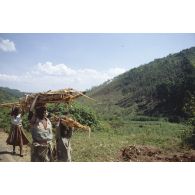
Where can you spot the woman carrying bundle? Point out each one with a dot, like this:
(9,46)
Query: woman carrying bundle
(41,129)
(17,136)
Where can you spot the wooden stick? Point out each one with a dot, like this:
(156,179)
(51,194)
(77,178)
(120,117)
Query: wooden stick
(9,105)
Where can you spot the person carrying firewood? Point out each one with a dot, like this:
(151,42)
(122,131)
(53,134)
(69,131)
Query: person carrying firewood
(17,136)
(63,136)
(41,130)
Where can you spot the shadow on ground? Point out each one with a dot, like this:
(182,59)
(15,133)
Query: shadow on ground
(6,152)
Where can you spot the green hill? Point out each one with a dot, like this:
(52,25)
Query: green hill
(164,87)
(9,95)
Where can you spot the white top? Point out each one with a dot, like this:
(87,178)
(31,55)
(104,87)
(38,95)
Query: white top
(16,120)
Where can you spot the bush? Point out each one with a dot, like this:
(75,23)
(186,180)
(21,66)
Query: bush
(5,119)
(84,115)
(80,113)
(191,121)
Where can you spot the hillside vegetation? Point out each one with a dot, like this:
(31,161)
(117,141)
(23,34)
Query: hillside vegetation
(9,95)
(162,88)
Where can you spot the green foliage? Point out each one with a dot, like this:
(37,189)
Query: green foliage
(25,122)
(106,145)
(178,97)
(9,95)
(5,119)
(83,115)
(191,121)
(79,112)
(188,137)
(147,118)
(162,88)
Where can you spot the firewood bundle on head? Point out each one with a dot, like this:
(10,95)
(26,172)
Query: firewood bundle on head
(10,105)
(61,96)
(38,99)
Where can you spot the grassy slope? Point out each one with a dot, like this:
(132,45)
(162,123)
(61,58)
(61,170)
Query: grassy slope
(133,90)
(106,146)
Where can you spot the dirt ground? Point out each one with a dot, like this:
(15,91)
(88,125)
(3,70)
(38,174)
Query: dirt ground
(6,151)
(150,154)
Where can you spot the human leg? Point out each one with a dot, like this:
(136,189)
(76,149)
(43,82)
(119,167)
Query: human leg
(14,152)
(21,151)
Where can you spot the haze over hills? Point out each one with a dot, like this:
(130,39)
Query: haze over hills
(163,87)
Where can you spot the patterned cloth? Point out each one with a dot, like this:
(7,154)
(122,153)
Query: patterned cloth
(42,152)
(42,147)
(17,136)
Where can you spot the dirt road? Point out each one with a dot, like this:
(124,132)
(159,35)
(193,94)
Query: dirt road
(6,151)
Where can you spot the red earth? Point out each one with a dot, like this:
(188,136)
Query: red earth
(134,153)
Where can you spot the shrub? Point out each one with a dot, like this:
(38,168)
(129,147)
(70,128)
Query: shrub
(84,115)
(80,113)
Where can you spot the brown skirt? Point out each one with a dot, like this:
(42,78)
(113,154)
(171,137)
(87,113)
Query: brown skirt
(16,136)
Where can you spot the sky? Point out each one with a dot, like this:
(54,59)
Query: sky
(41,62)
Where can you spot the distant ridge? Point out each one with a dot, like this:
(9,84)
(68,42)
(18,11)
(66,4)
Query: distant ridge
(9,95)
(163,87)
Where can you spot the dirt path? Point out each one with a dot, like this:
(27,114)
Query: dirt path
(6,151)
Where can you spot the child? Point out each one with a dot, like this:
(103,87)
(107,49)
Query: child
(16,136)
(63,136)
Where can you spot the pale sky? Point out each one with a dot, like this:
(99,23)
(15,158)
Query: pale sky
(40,62)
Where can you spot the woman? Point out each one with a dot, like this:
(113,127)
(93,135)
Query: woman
(17,136)
(41,129)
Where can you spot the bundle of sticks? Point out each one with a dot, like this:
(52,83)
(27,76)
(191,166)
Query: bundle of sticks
(10,105)
(70,122)
(60,96)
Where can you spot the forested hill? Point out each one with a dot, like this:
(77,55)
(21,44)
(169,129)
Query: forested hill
(9,95)
(163,87)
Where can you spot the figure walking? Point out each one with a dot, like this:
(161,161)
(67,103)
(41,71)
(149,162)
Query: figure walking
(17,136)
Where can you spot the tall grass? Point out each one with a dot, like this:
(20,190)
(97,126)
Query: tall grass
(106,145)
